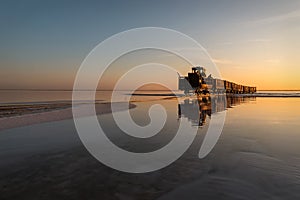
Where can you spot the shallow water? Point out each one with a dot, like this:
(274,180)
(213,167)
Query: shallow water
(256,157)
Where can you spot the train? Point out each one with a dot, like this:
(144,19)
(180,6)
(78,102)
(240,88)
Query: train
(199,83)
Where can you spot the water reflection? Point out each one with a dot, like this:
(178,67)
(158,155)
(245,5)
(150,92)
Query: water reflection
(208,105)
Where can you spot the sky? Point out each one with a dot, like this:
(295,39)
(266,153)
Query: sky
(43,43)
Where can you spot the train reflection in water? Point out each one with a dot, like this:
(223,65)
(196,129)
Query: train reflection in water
(208,105)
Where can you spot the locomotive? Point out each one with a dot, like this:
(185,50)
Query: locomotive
(199,83)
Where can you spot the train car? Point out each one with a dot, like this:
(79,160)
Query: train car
(252,90)
(240,89)
(215,85)
(219,86)
(234,88)
(228,86)
(210,81)
(246,90)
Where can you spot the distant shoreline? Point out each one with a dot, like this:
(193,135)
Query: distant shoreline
(70,90)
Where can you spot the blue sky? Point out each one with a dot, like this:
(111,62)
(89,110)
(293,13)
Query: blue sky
(42,41)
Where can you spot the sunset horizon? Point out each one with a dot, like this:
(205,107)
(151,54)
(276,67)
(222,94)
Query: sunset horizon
(150,100)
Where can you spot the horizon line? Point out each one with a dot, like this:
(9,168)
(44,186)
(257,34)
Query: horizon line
(28,89)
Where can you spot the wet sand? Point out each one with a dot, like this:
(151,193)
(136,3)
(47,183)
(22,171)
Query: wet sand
(18,115)
(257,157)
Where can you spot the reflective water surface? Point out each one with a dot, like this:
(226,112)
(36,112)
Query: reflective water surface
(256,157)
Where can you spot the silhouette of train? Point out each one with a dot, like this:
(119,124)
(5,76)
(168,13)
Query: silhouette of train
(198,82)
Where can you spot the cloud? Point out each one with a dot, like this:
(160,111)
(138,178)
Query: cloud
(279,18)
(272,61)
(222,61)
(242,42)
(225,43)
(259,40)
